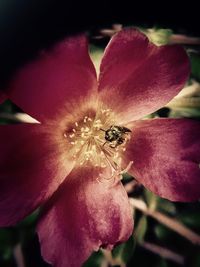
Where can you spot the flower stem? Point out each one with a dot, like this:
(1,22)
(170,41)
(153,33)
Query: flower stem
(163,252)
(111,261)
(17,252)
(173,224)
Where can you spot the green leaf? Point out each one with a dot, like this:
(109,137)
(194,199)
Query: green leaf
(8,237)
(195,64)
(162,263)
(185,113)
(7,253)
(151,199)
(190,219)
(29,220)
(196,260)
(96,54)
(94,260)
(141,229)
(6,107)
(124,251)
(159,36)
(162,232)
(127,177)
(156,203)
(166,206)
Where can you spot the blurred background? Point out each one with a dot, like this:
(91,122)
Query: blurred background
(166,234)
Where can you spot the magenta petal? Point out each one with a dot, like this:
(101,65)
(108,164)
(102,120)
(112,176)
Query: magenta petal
(82,216)
(31,169)
(166,157)
(137,77)
(57,77)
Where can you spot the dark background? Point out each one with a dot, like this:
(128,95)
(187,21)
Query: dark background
(29,25)
(26,26)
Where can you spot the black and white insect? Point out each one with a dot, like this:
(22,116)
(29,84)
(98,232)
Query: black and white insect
(116,135)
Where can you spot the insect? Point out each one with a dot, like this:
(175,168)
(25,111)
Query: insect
(116,135)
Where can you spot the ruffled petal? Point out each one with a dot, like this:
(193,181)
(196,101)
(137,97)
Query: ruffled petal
(83,215)
(32,166)
(166,157)
(58,76)
(137,77)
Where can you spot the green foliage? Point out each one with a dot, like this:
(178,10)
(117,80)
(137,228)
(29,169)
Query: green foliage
(191,220)
(95,260)
(159,36)
(195,64)
(166,206)
(6,106)
(141,229)
(162,233)
(185,113)
(127,177)
(30,220)
(151,199)
(124,251)
(96,54)
(196,260)
(162,263)
(8,239)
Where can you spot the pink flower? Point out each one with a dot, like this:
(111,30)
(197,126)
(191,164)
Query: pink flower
(73,160)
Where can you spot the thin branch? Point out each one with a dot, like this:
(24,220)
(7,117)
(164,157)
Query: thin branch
(131,186)
(112,261)
(173,224)
(184,39)
(18,255)
(190,90)
(163,252)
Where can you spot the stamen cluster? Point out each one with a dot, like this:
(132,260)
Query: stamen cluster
(88,144)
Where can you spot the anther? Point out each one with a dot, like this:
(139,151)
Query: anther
(85,119)
(90,144)
(71,135)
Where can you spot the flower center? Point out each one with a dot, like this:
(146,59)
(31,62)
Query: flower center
(98,140)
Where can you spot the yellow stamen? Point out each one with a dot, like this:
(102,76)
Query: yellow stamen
(89,145)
